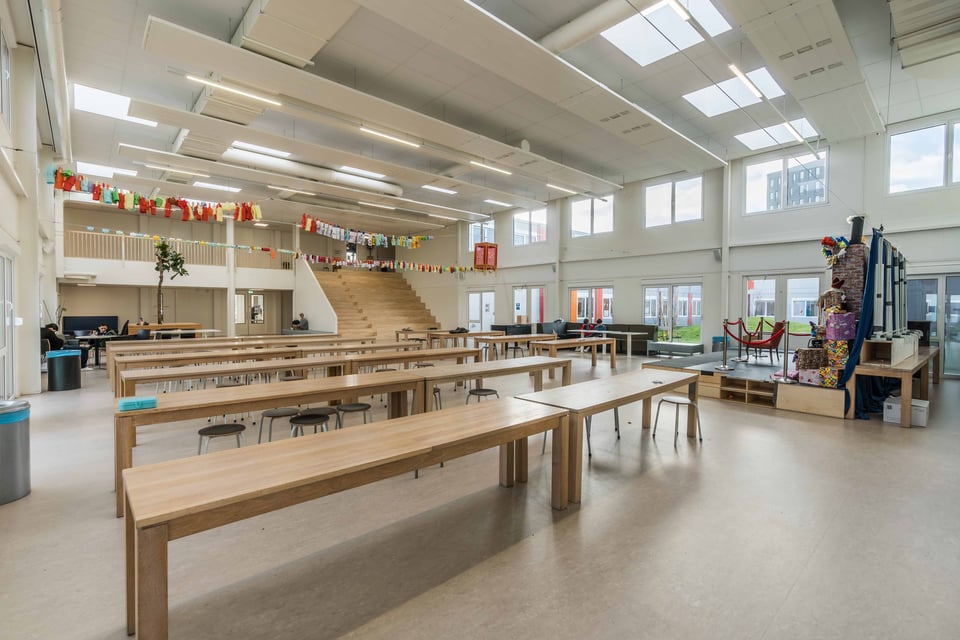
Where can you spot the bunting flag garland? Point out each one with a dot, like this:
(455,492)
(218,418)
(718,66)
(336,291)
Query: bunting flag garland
(395,265)
(187,211)
(365,238)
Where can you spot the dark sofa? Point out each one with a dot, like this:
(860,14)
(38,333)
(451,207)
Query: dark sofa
(565,330)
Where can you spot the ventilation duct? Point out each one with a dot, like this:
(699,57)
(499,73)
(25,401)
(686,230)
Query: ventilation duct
(300,170)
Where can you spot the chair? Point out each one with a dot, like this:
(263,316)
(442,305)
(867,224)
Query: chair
(219,431)
(588,423)
(677,401)
(123,330)
(353,407)
(773,342)
(273,414)
(298,422)
(322,411)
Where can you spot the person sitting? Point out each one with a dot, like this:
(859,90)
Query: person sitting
(141,322)
(295,324)
(104,330)
(304,325)
(585,329)
(598,328)
(49,333)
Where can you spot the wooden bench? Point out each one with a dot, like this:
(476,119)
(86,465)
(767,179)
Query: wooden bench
(586,399)
(406,358)
(573,343)
(171,500)
(674,348)
(187,405)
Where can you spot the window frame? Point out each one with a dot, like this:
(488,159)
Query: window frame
(529,222)
(673,200)
(951,133)
(593,203)
(486,224)
(784,158)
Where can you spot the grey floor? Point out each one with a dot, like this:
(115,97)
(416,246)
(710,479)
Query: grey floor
(779,525)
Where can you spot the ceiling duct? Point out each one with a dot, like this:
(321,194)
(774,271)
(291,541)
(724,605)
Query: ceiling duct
(593,22)
(298,169)
(927,36)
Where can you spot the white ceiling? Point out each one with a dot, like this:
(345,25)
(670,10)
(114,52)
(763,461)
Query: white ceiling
(468,81)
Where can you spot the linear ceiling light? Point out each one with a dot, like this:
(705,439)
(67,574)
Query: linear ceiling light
(172,170)
(260,224)
(102,170)
(306,193)
(436,215)
(376,204)
(218,187)
(373,132)
(676,6)
(490,168)
(239,92)
(246,146)
(502,204)
(793,131)
(564,189)
(362,172)
(105,103)
(449,192)
(746,81)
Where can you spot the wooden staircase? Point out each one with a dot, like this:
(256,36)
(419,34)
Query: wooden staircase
(374,302)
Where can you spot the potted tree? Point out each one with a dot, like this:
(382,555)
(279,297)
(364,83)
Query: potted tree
(168,260)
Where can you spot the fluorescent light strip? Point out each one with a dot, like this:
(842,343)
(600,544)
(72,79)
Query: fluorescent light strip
(435,215)
(102,170)
(217,187)
(502,204)
(362,172)
(239,92)
(376,204)
(306,193)
(490,168)
(373,132)
(746,81)
(240,144)
(172,170)
(676,6)
(449,192)
(565,190)
(260,224)
(792,130)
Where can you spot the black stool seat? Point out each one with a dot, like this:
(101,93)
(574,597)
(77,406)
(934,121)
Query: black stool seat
(298,422)
(290,377)
(353,407)
(229,383)
(481,393)
(217,431)
(281,412)
(322,411)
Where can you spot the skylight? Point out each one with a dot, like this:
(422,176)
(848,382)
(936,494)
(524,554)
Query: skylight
(733,94)
(89,168)
(777,134)
(659,31)
(104,103)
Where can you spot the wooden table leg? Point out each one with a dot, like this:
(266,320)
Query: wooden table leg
(123,433)
(936,367)
(691,415)
(565,374)
(560,471)
(613,356)
(522,455)
(130,565)
(593,355)
(151,596)
(925,381)
(574,456)
(906,399)
(645,412)
(508,464)
(629,346)
(553,354)
(852,390)
(538,380)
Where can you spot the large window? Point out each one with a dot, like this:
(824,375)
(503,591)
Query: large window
(480,232)
(918,159)
(675,309)
(529,227)
(591,304)
(589,217)
(785,183)
(669,202)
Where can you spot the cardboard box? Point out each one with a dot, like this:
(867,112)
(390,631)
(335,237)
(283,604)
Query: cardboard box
(919,411)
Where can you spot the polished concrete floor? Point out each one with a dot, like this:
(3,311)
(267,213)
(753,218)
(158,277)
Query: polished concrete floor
(778,525)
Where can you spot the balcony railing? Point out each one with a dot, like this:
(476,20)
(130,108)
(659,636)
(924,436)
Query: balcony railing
(103,246)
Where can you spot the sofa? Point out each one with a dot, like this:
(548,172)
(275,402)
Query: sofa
(565,329)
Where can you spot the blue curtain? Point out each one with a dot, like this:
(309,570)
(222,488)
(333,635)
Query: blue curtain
(864,328)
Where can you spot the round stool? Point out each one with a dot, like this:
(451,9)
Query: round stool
(353,407)
(322,411)
(481,393)
(676,401)
(228,383)
(437,402)
(283,412)
(298,422)
(289,377)
(218,431)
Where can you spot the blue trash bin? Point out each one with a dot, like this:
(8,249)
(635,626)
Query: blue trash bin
(63,370)
(14,450)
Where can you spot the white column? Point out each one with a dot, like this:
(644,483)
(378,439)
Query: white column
(50,208)
(231,280)
(27,265)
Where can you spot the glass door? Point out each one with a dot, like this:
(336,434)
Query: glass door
(802,296)
(686,313)
(656,310)
(591,304)
(922,304)
(480,310)
(951,327)
(761,301)
(6,329)
(528,304)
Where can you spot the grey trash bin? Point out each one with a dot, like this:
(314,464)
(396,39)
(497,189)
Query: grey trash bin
(14,450)
(63,370)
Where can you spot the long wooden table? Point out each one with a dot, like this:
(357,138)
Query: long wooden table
(175,499)
(585,399)
(490,369)
(573,343)
(904,371)
(186,405)
(133,328)
(406,358)
(130,378)
(458,339)
(495,342)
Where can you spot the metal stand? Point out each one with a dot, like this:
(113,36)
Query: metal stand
(786,350)
(724,366)
(740,357)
